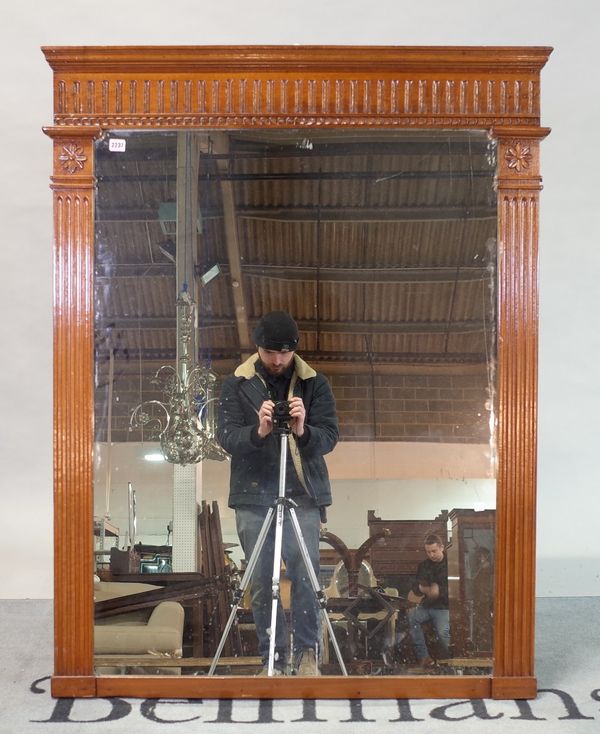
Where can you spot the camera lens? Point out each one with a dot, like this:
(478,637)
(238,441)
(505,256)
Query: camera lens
(281,409)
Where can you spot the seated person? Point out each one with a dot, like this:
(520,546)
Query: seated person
(430,595)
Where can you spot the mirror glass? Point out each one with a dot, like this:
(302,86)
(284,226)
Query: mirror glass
(382,246)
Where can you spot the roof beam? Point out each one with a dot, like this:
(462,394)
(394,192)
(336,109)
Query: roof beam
(368,275)
(312,213)
(376,176)
(232,243)
(332,327)
(152,359)
(308,273)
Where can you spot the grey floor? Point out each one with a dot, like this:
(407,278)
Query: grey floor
(567,668)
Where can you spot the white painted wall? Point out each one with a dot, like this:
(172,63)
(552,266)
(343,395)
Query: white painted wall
(398,481)
(569,471)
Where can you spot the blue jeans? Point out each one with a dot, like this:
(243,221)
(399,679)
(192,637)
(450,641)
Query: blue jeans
(304,607)
(441,622)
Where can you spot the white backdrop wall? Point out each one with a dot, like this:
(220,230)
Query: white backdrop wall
(569,471)
(393,483)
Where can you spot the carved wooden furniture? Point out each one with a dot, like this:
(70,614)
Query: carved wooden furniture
(121,642)
(395,558)
(352,558)
(193,590)
(362,603)
(471,582)
(470,553)
(136,88)
(212,562)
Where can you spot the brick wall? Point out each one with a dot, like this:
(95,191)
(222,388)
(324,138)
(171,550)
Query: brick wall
(445,408)
(413,407)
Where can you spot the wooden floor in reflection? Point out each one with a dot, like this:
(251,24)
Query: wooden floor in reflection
(252,665)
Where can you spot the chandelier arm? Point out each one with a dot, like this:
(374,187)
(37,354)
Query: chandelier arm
(134,421)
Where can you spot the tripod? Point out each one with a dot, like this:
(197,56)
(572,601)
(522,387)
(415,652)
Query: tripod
(276,511)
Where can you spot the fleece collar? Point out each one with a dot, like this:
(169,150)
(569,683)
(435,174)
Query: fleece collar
(247,369)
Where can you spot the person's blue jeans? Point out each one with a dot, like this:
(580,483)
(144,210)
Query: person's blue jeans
(304,606)
(441,622)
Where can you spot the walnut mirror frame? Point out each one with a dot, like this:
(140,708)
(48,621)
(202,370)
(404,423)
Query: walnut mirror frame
(495,89)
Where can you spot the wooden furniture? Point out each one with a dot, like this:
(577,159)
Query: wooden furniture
(352,558)
(395,558)
(471,582)
(339,89)
(470,553)
(194,591)
(361,603)
(160,636)
(212,563)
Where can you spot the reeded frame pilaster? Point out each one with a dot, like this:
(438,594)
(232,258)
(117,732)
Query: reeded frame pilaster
(73,186)
(518,186)
(101,88)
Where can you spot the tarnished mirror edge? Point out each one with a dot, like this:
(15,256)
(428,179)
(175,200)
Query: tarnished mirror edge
(491,88)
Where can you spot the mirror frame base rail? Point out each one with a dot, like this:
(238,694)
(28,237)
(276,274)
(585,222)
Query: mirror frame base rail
(334,687)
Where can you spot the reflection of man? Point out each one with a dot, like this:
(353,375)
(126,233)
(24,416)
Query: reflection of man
(430,593)
(246,431)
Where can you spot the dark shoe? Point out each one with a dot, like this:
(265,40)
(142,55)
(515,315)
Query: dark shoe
(307,663)
(427,662)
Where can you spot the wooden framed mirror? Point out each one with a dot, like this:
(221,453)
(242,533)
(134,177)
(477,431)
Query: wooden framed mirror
(388,198)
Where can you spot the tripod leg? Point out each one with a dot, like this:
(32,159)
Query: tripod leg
(277,507)
(245,582)
(314,581)
(283,445)
(275,585)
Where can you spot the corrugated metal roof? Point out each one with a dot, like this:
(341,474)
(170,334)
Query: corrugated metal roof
(382,245)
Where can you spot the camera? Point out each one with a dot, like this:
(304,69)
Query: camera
(281,415)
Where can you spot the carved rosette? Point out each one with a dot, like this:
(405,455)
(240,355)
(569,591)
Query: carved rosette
(72,157)
(518,156)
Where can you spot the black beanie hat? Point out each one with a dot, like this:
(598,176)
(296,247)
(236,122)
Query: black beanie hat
(277,331)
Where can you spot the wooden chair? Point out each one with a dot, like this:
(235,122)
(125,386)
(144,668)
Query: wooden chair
(215,566)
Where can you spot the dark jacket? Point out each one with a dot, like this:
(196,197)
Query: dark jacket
(254,476)
(430,572)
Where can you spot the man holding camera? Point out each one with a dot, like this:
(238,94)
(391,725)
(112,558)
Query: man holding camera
(274,387)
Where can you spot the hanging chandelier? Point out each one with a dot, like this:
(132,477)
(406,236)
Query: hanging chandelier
(184,421)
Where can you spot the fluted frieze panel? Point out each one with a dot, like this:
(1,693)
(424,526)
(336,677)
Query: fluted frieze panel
(435,87)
